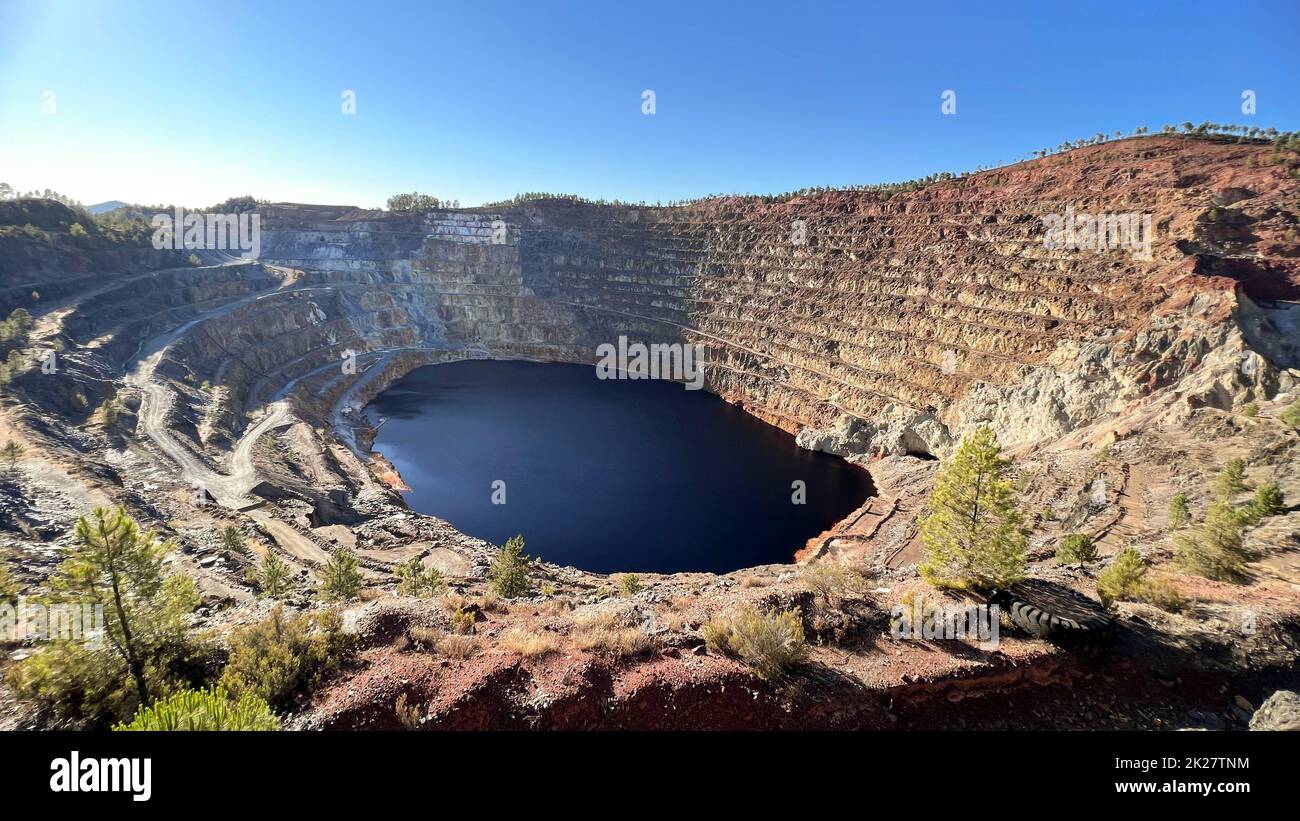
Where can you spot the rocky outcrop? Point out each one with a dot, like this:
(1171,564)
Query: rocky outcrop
(1280,712)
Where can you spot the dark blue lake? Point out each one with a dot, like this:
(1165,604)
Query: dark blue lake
(607,475)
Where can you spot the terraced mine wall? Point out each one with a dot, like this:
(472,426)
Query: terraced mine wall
(871,322)
(866,322)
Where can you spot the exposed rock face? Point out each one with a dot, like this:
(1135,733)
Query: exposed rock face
(873,324)
(1280,712)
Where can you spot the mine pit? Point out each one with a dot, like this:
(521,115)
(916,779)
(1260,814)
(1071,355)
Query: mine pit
(607,475)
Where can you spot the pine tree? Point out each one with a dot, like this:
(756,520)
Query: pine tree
(273,577)
(418,580)
(340,578)
(1268,501)
(972,529)
(1216,550)
(232,539)
(1179,513)
(117,567)
(509,573)
(1231,480)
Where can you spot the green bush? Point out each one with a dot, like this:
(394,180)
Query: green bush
(629,584)
(273,578)
(770,644)
(203,711)
(232,540)
(9,587)
(1250,409)
(1126,579)
(830,582)
(1075,548)
(1291,416)
(283,656)
(1179,512)
(146,651)
(12,453)
(1122,579)
(1216,549)
(1268,501)
(415,579)
(509,573)
(462,622)
(1231,480)
(1162,593)
(341,577)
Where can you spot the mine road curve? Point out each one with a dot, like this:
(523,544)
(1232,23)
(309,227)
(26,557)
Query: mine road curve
(229,490)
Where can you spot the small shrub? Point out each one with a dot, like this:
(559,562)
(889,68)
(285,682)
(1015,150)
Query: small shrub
(1179,512)
(457,647)
(618,634)
(203,711)
(418,580)
(509,573)
(425,636)
(283,656)
(770,644)
(273,577)
(490,603)
(1216,550)
(1250,409)
(340,577)
(1231,480)
(454,602)
(1268,501)
(528,643)
(629,584)
(1291,416)
(193,260)
(1121,580)
(12,453)
(408,715)
(9,587)
(1076,548)
(829,581)
(232,540)
(462,622)
(1161,592)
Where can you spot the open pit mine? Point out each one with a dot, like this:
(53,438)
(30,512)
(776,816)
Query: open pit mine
(1139,395)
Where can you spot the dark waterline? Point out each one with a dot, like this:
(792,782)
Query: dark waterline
(607,475)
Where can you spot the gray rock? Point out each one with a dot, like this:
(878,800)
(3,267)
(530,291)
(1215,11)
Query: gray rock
(1281,711)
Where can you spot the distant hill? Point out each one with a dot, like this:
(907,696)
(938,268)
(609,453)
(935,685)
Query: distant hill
(105,207)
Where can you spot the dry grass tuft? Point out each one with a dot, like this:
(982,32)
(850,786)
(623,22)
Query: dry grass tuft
(492,603)
(425,637)
(457,647)
(528,643)
(454,602)
(618,634)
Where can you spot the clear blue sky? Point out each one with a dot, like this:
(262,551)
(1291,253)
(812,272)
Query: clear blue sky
(191,102)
